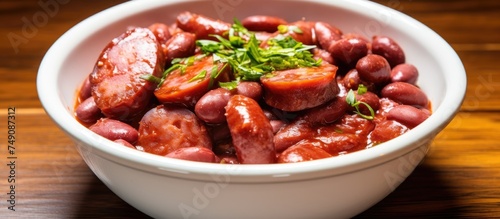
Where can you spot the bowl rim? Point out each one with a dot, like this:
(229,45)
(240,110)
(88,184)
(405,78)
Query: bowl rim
(47,89)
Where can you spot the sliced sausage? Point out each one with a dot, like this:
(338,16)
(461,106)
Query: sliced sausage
(326,114)
(117,86)
(300,88)
(301,31)
(186,86)
(113,130)
(251,132)
(164,129)
(199,154)
(262,23)
(200,25)
(336,143)
(292,133)
(349,124)
(326,35)
(302,151)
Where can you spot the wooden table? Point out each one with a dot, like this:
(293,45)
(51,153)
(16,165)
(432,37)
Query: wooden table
(459,178)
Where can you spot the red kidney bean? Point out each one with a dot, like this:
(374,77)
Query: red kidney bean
(85,89)
(404,73)
(251,131)
(407,115)
(262,23)
(405,93)
(325,114)
(180,45)
(87,111)
(211,106)
(179,88)
(117,86)
(200,25)
(199,154)
(161,31)
(164,129)
(124,143)
(250,89)
(292,133)
(349,50)
(302,151)
(385,131)
(389,49)
(326,35)
(374,68)
(300,88)
(114,129)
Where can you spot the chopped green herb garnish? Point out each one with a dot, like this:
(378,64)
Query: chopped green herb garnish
(229,85)
(199,76)
(351,100)
(242,52)
(151,78)
(362,89)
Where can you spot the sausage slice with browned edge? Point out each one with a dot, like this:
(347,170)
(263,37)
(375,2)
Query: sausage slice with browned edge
(187,86)
(251,131)
(165,129)
(300,88)
(117,86)
(201,26)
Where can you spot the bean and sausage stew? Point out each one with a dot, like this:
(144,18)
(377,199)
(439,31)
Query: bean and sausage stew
(258,90)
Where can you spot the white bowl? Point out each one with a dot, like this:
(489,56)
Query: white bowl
(336,187)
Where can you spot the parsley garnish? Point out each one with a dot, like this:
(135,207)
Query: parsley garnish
(351,100)
(240,50)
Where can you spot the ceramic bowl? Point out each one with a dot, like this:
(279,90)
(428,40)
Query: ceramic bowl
(338,187)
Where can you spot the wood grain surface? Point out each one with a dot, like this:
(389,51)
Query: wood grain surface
(460,177)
